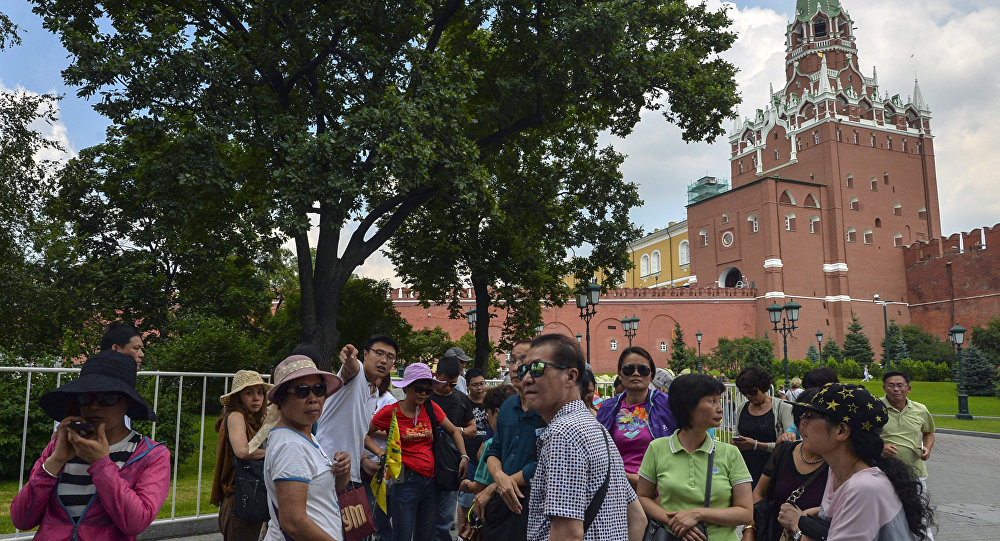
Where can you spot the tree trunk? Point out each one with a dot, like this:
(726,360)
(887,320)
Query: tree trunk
(481,289)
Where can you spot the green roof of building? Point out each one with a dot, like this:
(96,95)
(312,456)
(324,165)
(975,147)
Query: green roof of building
(805,9)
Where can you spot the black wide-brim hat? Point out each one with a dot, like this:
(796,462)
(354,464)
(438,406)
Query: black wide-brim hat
(108,371)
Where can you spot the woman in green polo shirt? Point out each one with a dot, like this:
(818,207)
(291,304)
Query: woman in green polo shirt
(674,471)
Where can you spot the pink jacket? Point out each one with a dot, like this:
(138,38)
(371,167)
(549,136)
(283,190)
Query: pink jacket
(126,503)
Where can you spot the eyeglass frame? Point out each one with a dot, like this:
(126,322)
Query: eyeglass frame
(382,354)
(529,368)
(97,397)
(636,368)
(302,390)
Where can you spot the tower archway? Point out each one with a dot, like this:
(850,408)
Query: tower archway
(731,277)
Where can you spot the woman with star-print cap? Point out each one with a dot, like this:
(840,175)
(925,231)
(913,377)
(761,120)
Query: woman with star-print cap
(868,496)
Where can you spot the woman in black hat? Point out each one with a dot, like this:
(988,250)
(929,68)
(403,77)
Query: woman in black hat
(867,496)
(98,480)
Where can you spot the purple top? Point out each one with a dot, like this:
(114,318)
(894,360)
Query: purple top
(785,478)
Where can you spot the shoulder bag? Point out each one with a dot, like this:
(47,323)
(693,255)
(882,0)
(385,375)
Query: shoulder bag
(657,531)
(765,512)
(250,499)
(446,455)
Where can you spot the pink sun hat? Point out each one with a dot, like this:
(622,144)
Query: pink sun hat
(416,372)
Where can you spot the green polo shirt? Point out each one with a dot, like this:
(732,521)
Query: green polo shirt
(680,476)
(906,430)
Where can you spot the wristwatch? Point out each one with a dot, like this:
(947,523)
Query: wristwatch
(797,535)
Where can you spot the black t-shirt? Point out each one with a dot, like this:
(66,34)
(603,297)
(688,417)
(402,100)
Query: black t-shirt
(483,431)
(458,409)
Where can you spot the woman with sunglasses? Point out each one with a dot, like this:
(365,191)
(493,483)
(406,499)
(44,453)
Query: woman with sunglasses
(763,421)
(867,496)
(413,507)
(302,480)
(639,415)
(98,479)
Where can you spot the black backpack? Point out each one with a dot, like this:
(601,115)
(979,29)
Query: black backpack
(446,455)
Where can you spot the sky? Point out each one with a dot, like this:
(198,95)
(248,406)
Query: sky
(950,45)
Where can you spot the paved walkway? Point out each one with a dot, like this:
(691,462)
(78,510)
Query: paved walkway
(963,480)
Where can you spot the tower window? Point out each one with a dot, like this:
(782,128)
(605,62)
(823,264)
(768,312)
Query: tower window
(922,213)
(854,204)
(850,181)
(684,253)
(753,223)
(869,236)
(614,345)
(904,145)
(814,225)
(777,154)
(725,218)
(704,237)
(885,178)
(663,347)
(878,222)
(855,137)
(874,184)
(790,221)
(897,209)
(852,235)
(741,166)
(838,135)
(816,137)
(798,143)
(897,239)
(873,139)
(888,143)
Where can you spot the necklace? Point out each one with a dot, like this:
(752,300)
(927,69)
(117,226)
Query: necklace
(803,457)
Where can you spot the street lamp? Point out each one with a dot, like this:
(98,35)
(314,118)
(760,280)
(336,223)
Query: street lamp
(579,338)
(885,339)
(698,336)
(954,365)
(787,325)
(819,344)
(540,328)
(958,334)
(470,316)
(630,325)
(586,301)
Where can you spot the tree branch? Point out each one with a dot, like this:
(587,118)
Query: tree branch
(440,22)
(358,249)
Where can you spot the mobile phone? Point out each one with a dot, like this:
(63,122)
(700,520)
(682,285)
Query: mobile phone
(737,437)
(82,428)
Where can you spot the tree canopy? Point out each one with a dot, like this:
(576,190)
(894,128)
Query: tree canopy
(331,112)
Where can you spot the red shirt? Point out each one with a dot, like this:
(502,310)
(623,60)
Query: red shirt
(415,438)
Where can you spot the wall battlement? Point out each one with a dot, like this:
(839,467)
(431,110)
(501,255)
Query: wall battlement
(957,244)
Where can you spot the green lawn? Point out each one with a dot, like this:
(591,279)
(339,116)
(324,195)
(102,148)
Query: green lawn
(187,483)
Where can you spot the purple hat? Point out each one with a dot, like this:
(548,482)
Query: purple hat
(416,372)
(297,366)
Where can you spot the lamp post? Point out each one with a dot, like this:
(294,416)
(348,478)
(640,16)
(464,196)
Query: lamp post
(630,325)
(470,316)
(698,336)
(787,325)
(586,301)
(885,338)
(819,344)
(540,329)
(579,338)
(954,365)
(958,334)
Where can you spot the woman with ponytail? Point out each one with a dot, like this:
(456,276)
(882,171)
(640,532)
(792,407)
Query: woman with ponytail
(868,497)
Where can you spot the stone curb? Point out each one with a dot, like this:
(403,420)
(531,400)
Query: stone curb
(954,432)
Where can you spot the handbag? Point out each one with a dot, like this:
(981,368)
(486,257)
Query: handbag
(765,512)
(657,531)
(250,498)
(356,514)
(446,455)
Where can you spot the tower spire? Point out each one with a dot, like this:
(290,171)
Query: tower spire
(918,97)
(805,9)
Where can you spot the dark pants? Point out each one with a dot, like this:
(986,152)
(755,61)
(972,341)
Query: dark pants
(413,508)
(502,524)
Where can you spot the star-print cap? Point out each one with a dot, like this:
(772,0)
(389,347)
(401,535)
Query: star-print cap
(848,403)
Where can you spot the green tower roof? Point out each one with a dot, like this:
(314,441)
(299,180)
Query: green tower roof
(805,9)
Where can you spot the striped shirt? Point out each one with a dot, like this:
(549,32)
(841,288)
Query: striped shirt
(76,489)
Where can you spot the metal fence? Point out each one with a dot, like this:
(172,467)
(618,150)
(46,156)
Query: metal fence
(731,400)
(160,379)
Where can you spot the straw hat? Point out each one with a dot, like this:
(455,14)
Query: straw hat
(242,380)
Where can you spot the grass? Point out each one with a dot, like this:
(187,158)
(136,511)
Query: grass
(187,482)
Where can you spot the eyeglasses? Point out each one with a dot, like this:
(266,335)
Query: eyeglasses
(537,368)
(477,385)
(104,399)
(302,391)
(383,354)
(420,388)
(895,385)
(812,415)
(749,392)
(642,369)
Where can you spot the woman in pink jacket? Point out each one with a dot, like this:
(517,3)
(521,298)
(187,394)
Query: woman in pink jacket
(98,480)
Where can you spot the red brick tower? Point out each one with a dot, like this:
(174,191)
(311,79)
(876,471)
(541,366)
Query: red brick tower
(829,179)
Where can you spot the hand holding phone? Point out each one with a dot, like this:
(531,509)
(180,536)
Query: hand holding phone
(82,428)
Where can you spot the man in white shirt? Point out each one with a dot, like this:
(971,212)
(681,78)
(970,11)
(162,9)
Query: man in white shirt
(346,414)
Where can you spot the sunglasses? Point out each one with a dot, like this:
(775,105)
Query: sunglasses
(420,388)
(749,392)
(812,415)
(104,399)
(302,391)
(642,369)
(537,368)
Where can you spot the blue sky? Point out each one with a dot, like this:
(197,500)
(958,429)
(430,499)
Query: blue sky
(950,44)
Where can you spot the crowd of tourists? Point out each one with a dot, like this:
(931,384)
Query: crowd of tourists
(313,455)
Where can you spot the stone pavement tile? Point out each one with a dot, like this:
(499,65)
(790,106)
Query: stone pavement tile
(962,481)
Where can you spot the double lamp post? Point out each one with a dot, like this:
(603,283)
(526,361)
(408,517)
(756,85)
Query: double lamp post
(787,325)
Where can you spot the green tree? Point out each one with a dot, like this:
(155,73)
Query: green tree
(368,111)
(813,354)
(832,350)
(680,356)
(735,355)
(857,346)
(924,346)
(980,372)
(426,345)
(987,340)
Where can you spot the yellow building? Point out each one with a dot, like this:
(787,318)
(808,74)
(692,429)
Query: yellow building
(661,258)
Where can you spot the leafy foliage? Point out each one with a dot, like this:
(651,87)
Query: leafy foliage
(987,340)
(735,355)
(832,351)
(813,354)
(680,355)
(13,387)
(980,373)
(857,346)
(924,346)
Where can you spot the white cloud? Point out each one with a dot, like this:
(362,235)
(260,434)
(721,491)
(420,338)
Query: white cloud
(377,265)
(950,45)
(56,131)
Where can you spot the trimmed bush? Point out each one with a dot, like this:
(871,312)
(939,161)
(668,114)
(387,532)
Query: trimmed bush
(937,371)
(850,369)
(915,369)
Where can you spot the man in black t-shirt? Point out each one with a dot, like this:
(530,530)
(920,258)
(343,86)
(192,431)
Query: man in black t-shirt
(458,408)
(477,392)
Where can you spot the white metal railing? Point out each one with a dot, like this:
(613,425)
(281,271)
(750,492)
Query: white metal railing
(27,373)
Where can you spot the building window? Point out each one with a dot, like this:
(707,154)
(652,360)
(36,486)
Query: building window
(741,166)
(904,145)
(814,225)
(725,218)
(888,143)
(838,135)
(869,236)
(897,209)
(790,221)
(852,235)
(885,178)
(922,213)
(777,154)
(684,253)
(815,137)
(878,222)
(855,205)
(798,84)
(897,240)
(856,139)
(873,139)
(753,223)
(811,201)
(754,160)
(644,265)
(614,345)
(663,347)
(850,181)
(819,28)
(786,198)
(874,184)
(704,237)
(654,263)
